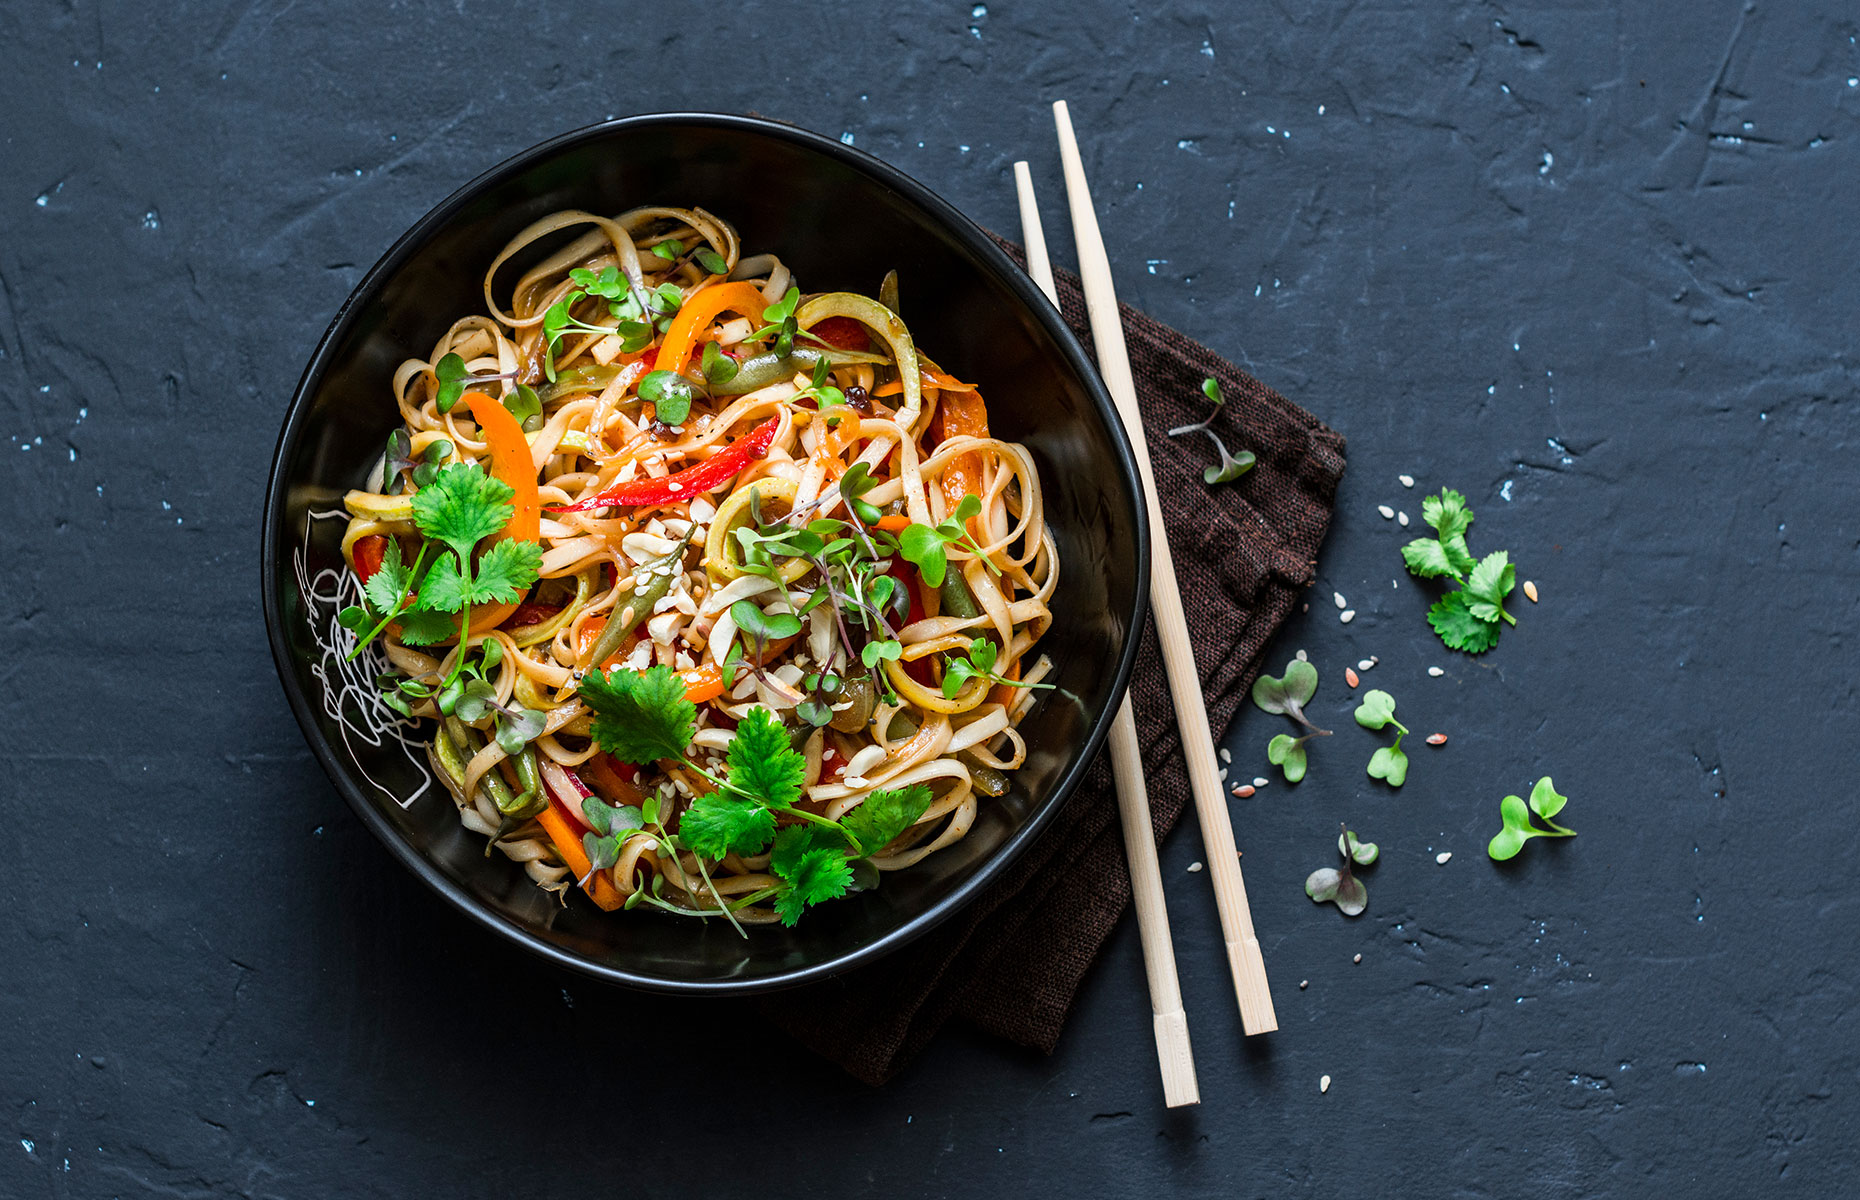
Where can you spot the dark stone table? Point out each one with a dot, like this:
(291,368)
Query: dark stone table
(1594,268)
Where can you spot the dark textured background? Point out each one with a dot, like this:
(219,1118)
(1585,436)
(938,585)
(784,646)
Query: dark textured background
(1596,270)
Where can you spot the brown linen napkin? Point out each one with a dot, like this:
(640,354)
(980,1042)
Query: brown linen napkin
(1012,962)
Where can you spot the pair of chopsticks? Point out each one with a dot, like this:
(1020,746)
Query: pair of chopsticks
(1243,954)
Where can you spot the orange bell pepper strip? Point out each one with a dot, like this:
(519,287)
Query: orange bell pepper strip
(699,311)
(512,465)
(893,523)
(701,683)
(603,892)
(962,414)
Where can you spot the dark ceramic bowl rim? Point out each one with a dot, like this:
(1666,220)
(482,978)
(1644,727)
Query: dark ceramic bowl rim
(993,258)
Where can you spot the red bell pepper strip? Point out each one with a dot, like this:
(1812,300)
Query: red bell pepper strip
(713,472)
(369,552)
(841,332)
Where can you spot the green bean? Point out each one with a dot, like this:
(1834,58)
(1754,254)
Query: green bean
(759,371)
(650,583)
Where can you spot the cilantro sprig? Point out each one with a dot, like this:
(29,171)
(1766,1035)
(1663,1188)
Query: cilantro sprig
(1466,619)
(1518,827)
(1377,711)
(644,717)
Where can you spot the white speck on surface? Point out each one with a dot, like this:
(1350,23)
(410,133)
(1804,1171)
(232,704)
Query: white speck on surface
(1207,47)
(1403,518)
(1549,161)
(1227,755)
(1357,959)
(1388,514)
(1440,858)
(1192,867)
(1436,672)
(1324,1084)
(845,137)
(1406,480)
(1303,984)
(151,219)
(1260,781)
(1504,493)
(1364,664)
(27,1143)
(1347,615)
(1341,602)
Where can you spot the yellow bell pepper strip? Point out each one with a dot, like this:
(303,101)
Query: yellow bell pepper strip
(512,465)
(696,314)
(568,845)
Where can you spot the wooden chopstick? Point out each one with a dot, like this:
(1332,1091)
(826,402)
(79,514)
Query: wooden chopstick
(1173,1052)
(1191,711)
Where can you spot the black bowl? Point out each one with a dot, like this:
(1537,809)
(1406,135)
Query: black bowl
(840,218)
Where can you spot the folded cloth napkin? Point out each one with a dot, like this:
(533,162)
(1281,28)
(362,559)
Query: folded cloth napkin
(1012,961)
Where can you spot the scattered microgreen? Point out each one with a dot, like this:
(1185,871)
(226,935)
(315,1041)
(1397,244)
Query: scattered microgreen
(526,406)
(611,826)
(1339,885)
(1288,695)
(633,324)
(979,663)
(671,250)
(780,322)
(451,375)
(1518,827)
(820,388)
(1466,619)
(717,366)
(927,546)
(1377,711)
(670,395)
(1231,466)
(712,261)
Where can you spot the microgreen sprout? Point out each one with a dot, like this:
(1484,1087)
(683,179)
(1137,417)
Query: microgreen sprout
(1377,711)
(979,663)
(670,395)
(927,546)
(1288,695)
(1519,829)
(781,323)
(717,367)
(420,470)
(1339,885)
(1231,466)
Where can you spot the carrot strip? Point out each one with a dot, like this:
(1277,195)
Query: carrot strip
(604,893)
(699,311)
(512,465)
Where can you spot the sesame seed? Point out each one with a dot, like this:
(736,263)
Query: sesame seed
(1443,856)
(1324,1084)
(1347,615)
(1403,519)
(1349,677)
(1227,755)
(1303,984)
(1436,739)
(1338,597)
(1243,791)
(1193,867)
(1223,774)
(674,487)
(1363,664)
(1407,481)
(1530,590)
(1388,514)
(1260,781)
(1436,672)
(1358,958)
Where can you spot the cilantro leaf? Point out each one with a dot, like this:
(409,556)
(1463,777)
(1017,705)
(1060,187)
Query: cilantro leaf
(1452,618)
(883,815)
(421,628)
(1447,513)
(386,587)
(462,506)
(444,589)
(639,716)
(1489,584)
(1429,559)
(762,763)
(719,822)
(506,571)
(813,866)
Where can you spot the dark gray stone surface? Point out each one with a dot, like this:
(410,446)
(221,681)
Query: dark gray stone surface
(1594,268)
